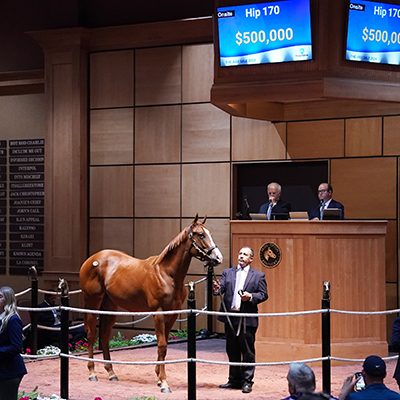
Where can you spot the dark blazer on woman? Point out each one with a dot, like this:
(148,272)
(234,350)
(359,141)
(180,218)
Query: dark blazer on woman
(11,363)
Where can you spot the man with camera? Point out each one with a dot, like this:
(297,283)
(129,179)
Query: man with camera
(373,374)
(242,288)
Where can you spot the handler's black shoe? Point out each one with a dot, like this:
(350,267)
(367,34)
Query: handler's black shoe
(229,385)
(246,388)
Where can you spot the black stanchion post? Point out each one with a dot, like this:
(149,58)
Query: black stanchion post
(191,343)
(32,273)
(64,338)
(210,298)
(326,339)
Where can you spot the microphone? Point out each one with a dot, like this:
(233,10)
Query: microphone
(246,203)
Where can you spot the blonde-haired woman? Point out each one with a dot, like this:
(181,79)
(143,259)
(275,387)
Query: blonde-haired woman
(12,366)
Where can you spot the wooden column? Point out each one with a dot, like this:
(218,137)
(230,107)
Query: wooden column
(66,149)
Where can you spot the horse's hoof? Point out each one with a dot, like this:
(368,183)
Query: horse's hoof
(165,390)
(114,378)
(93,378)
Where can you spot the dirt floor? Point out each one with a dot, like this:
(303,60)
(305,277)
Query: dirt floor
(134,380)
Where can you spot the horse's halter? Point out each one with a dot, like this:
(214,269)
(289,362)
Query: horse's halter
(205,253)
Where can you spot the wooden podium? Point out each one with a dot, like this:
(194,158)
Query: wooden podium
(349,254)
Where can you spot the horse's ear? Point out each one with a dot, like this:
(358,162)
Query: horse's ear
(204,220)
(195,218)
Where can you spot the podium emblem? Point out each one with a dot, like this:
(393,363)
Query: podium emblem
(270,255)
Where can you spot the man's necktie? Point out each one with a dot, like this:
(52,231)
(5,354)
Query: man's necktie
(269,211)
(322,210)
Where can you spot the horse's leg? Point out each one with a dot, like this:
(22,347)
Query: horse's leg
(163,325)
(90,327)
(107,322)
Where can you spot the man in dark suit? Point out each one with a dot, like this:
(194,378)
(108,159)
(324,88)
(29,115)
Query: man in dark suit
(395,346)
(275,205)
(325,191)
(243,288)
(51,318)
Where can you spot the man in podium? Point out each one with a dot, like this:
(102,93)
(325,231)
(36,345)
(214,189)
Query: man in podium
(325,191)
(275,205)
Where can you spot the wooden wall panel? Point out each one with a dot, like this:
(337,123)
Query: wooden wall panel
(158,76)
(206,190)
(197,76)
(391,136)
(111,191)
(220,230)
(254,139)
(22,116)
(62,177)
(205,133)
(366,187)
(157,191)
(316,139)
(363,137)
(111,79)
(111,136)
(153,235)
(114,234)
(158,135)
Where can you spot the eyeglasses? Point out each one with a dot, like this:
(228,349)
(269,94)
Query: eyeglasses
(322,191)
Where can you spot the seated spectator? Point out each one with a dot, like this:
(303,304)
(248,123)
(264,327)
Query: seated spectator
(301,379)
(51,318)
(373,372)
(325,201)
(301,383)
(275,205)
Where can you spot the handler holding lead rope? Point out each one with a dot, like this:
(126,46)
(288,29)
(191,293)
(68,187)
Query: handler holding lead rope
(243,288)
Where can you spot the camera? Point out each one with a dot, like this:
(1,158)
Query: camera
(360,385)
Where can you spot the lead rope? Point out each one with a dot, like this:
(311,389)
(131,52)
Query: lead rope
(224,307)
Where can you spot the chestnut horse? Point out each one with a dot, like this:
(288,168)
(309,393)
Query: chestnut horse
(112,279)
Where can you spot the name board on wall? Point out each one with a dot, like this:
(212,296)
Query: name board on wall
(3,205)
(26,205)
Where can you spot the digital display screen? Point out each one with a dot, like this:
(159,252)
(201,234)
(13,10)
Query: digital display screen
(373,33)
(272,32)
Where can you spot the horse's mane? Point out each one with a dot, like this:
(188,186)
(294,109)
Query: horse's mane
(174,243)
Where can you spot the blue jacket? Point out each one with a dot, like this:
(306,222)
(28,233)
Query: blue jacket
(373,392)
(315,209)
(11,363)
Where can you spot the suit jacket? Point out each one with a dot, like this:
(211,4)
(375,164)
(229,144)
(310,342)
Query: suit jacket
(45,318)
(315,209)
(255,284)
(395,345)
(279,207)
(11,363)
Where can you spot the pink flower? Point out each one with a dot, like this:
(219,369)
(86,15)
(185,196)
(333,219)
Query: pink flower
(97,398)
(96,347)
(28,351)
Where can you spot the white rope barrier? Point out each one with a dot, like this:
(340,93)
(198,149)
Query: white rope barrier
(125,362)
(23,292)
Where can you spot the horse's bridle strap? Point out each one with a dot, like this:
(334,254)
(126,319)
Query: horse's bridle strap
(204,252)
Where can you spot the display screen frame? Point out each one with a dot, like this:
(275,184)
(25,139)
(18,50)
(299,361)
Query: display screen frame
(284,45)
(367,56)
